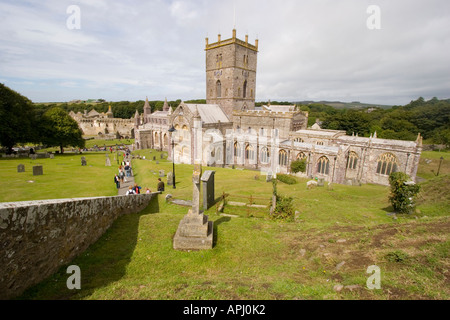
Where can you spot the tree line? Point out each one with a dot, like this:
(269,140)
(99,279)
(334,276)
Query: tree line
(429,118)
(22,121)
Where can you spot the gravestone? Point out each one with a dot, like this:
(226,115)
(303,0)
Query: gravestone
(162,155)
(33,156)
(157,162)
(107,161)
(161,173)
(38,171)
(52,156)
(208,189)
(320,182)
(170,178)
(20,168)
(194,232)
(83,161)
(269,177)
(154,158)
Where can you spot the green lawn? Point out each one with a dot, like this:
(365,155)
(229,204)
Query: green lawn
(337,234)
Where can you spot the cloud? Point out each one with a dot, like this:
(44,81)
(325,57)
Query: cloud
(126,50)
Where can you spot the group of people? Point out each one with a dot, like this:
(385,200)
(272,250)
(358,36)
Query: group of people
(126,171)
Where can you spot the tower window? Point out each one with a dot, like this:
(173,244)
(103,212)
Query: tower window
(245,89)
(218,89)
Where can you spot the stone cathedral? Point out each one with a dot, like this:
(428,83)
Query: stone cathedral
(235,133)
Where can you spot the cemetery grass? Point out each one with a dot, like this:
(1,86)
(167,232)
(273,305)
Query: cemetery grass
(63,177)
(338,233)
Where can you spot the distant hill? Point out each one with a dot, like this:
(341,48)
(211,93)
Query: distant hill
(347,105)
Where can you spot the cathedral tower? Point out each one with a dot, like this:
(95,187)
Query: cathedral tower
(231,74)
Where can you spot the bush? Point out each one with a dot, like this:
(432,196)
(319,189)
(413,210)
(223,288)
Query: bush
(286,179)
(298,166)
(397,256)
(284,209)
(403,192)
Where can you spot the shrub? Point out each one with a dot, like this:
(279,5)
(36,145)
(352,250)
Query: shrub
(397,256)
(286,179)
(284,209)
(403,192)
(298,166)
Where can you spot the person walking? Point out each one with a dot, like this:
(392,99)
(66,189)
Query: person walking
(130,191)
(160,185)
(137,189)
(117,181)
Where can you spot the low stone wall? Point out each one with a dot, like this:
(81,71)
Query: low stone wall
(38,237)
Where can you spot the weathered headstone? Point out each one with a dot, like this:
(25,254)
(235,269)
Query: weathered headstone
(33,156)
(208,189)
(194,232)
(52,156)
(38,171)
(107,161)
(161,173)
(20,168)
(157,162)
(269,177)
(154,158)
(320,182)
(162,155)
(170,178)
(83,161)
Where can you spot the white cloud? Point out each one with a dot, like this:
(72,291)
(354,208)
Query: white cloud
(127,50)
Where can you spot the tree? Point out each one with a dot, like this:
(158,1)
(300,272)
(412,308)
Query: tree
(298,166)
(16,118)
(59,129)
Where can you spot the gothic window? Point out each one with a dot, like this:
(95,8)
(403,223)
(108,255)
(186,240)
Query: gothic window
(282,158)
(352,160)
(265,155)
(300,156)
(220,60)
(251,93)
(245,89)
(387,163)
(237,150)
(323,166)
(298,140)
(239,92)
(218,89)
(249,152)
(319,143)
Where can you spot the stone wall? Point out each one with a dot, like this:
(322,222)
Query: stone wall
(38,237)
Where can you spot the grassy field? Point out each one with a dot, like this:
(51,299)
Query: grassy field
(337,234)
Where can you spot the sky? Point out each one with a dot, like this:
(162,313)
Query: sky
(378,51)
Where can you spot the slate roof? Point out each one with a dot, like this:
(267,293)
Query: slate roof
(209,113)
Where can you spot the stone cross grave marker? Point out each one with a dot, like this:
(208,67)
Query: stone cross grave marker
(194,232)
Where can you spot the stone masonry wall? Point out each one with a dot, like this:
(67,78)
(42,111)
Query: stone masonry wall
(38,237)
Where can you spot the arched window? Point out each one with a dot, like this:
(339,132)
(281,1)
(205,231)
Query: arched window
(387,163)
(265,155)
(282,158)
(251,93)
(239,92)
(300,156)
(237,150)
(319,143)
(218,89)
(323,165)
(299,140)
(249,152)
(244,91)
(352,160)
